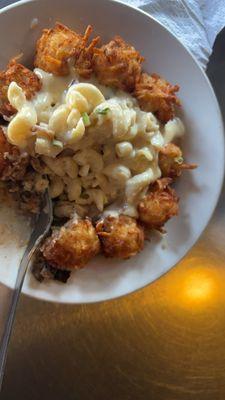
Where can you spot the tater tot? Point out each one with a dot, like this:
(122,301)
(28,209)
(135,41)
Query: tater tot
(25,78)
(57,45)
(157,95)
(71,246)
(121,237)
(171,161)
(117,64)
(159,205)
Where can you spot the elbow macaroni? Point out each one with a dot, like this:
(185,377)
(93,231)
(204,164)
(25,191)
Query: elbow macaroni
(19,129)
(95,149)
(84,97)
(137,183)
(16,96)
(76,133)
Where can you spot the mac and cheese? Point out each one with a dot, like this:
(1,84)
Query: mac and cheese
(98,146)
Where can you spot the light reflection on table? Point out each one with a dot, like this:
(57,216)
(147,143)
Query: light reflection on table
(166,341)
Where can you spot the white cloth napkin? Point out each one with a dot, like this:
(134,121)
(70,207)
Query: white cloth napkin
(195,22)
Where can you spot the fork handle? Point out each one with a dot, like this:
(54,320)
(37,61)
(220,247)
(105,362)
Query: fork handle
(11,311)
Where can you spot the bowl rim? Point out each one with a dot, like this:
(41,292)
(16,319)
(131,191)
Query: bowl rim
(222,171)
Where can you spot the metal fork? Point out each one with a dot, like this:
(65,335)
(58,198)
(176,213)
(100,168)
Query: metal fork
(42,224)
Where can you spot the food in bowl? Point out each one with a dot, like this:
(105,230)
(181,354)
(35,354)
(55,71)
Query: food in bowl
(100,134)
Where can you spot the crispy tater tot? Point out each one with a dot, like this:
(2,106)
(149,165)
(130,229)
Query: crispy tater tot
(117,64)
(171,161)
(84,59)
(159,205)
(25,78)
(120,237)
(157,95)
(13,164)
(57,45)
(71,246)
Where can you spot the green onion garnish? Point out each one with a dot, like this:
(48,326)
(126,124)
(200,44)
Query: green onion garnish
(86,119)
(57,143)
(103,111)
(179,160)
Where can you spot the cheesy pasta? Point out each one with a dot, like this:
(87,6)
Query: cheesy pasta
(98,146)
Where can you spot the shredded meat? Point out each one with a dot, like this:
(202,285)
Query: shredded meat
(25,78)
(157,95)
(159,205)
(171,161)
(42,270)
(71,246)
(57,45)
(117,64)
(13,164)
(18,176)
(120,237)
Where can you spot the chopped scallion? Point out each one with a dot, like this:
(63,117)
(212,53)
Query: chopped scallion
(179,160)
(57,143)
(86,119)
(103,111)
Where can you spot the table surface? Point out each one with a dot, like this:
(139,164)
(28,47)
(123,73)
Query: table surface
(165,342)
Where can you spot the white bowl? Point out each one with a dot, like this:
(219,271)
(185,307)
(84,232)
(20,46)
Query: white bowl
(204,144)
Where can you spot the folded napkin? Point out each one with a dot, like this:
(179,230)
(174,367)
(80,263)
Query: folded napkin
(195,22)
